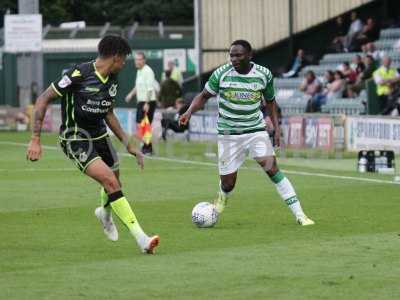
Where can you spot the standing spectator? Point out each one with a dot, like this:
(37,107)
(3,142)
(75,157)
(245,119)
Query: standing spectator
(145,95)
(355,28)
(169,91)
(386,79)
(176,74)
(299,62)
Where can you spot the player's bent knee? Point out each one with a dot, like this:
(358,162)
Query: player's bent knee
(268,164)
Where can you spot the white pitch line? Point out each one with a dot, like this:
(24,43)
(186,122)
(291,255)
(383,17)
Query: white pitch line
(209,164)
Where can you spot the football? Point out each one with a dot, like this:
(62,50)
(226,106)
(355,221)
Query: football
(204,215)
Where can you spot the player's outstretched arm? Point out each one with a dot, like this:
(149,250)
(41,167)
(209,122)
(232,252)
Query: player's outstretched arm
(271,106)
(198,103)
(34,150)
(113,123)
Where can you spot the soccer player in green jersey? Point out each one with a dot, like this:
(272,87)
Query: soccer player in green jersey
(240,87)
(87,94)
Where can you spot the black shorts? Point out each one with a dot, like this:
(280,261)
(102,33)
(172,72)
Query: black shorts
(140,112)
(84,152)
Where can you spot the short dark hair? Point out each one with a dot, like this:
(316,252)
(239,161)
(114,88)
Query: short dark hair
(340,74)
(245,44)
(111,45)
(311,73)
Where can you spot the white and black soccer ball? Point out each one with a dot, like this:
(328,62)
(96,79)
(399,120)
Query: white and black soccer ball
(204,215)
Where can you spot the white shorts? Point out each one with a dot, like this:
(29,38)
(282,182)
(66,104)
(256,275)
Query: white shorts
(233,149)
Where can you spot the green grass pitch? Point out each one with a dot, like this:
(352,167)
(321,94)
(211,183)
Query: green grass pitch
(52,246)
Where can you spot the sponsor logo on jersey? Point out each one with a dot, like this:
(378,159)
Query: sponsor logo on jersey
(64,82)
(242,95)
(113,90)
(92,89)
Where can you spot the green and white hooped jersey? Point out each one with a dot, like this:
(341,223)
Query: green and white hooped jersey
(239,97)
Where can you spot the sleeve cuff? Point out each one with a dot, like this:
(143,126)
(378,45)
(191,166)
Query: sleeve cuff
(208,88)
(55,89)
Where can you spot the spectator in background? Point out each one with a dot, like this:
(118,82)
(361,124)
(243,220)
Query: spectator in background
(312,87)
(173,124)
(369,34)
(357,64)
(176,74)
(369,49)
(336,88)
(329,77)
(340,33)
(311,84)
(299,62)
(370,67)
(169,91)
(356,27)
(145,95)
(387,79)
(349,74)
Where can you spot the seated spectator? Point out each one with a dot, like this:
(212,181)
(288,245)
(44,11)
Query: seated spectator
(356,27)
(329,77)
(340,32)
(387,79)
(335,89)
(357,64)
(173,123)
(169,91)
(349,74)
(369,34)
(370,67)
(299,63)
(369,49)
(310,85)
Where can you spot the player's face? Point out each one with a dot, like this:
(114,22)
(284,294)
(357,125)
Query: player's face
(118,63)
(239,57)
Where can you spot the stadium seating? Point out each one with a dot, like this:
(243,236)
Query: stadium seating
(344,106)
(391,33)
(292,101)
(292,106)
